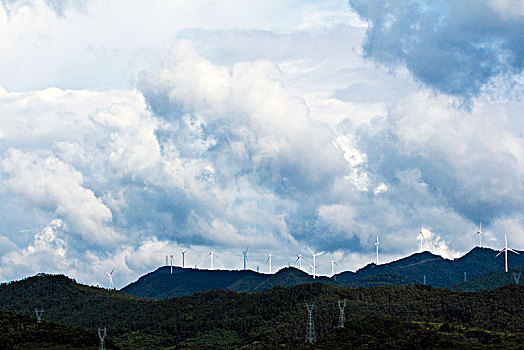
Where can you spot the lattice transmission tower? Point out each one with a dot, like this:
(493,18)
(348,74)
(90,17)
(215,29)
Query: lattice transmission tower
(39,315)
(342,317)
(310,331)
(516,276)
(101,335)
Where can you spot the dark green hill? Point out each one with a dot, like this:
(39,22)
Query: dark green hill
(439,272)
(489,281)
(260,320)
(377,280)
(161,284)
(22,332)
(390,334)
(289,276)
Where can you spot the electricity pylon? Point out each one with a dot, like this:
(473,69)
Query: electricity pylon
(342,317)
(516,276)
(39,315)
(310,331)
(101,335)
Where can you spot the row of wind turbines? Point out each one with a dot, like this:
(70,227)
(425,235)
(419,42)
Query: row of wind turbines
(212,255)
(479,233)
(313,263)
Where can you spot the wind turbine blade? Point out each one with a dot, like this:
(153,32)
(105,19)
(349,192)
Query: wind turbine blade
(310,250)
(511,250)
(298,258)
(502,251)
(320,253)
(112,271)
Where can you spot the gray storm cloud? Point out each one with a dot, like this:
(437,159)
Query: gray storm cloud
(455,47)
(260,135)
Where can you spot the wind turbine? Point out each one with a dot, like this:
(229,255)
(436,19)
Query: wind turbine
(377,248)
(244,253)
(171,256)
(421,237)
(183,257)
(333,263)
(299,260)
(211,254)
(480,234)
(110,277)
(269,256)
(314,266)
(505,250)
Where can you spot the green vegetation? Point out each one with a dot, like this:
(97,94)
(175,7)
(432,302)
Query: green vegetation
(389,334)
(22,332)
(439,272)
(268,319)
(489,281)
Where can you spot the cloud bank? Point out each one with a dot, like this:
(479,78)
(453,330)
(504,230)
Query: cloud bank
(277,134)
(456,47)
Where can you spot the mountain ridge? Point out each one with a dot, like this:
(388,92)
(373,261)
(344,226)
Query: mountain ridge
(438,272)
(222,319)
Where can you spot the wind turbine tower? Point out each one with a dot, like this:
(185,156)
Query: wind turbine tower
(211,254)
(244,253)
(377,248)
(333,263)
(480,234)
(110,278)
(171,256)
(421,237)
(268,260)
(314,266)
(505,250)
(183,257)
(299,260)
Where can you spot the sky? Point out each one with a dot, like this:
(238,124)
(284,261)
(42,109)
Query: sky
(132,130)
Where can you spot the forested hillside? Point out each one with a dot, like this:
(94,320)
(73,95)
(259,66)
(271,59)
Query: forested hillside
(23,332)
(491,280)
(390,334)
(439,272)
(255,320)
